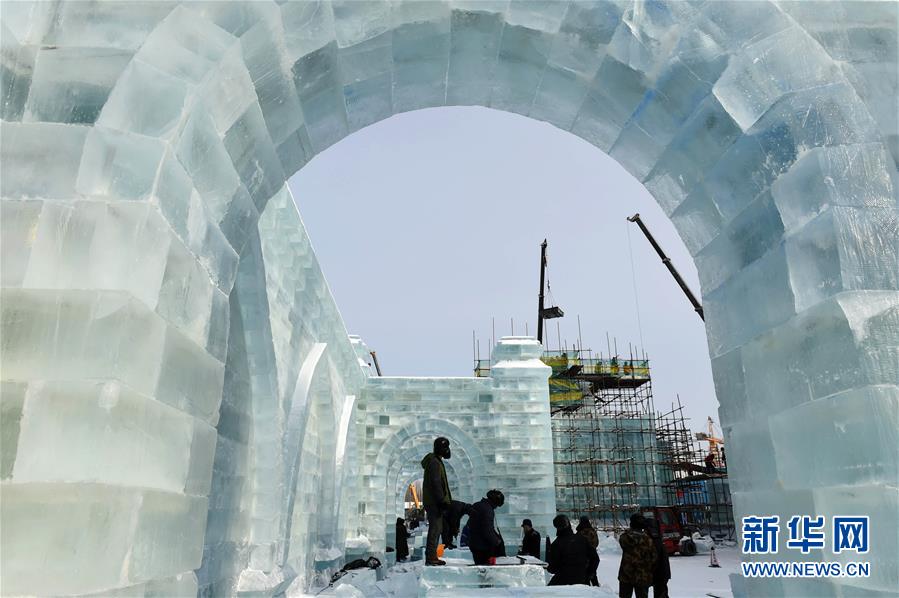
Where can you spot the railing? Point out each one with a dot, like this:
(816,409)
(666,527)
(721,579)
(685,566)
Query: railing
(561,364)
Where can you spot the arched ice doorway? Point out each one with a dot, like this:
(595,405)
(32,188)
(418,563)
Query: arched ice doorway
(400,457)
(146,143)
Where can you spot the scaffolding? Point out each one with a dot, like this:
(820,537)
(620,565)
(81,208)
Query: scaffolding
(615,454)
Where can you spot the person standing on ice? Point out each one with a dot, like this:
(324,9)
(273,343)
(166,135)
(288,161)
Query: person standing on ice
(661,571)
(586,529)
(571,558)
(530,540)
(638,557)
(436,496)
(484,540)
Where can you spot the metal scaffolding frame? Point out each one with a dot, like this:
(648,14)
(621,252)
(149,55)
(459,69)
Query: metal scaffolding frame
(615,454)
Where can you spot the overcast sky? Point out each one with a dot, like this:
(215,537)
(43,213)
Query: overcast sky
(428,225)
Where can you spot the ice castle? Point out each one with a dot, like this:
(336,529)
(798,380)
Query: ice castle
(182,409)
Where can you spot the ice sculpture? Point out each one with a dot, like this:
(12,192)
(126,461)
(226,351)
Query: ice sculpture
(177,378)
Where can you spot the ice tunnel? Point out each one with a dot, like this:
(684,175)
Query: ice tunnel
(182,409)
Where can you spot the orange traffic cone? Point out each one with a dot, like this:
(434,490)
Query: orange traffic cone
(713,559)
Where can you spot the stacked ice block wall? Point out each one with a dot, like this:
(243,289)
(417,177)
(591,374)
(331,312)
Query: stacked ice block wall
(142,142)
(499,432)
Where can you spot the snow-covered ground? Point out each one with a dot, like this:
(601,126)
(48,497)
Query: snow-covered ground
(691,577)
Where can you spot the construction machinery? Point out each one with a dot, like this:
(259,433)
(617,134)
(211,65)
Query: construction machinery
(544,313)
(374,356)
(667,262)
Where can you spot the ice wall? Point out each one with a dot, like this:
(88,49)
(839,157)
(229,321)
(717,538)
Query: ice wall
(155,293)
(498,427)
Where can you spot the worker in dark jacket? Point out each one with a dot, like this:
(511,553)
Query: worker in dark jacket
(452,519)
(571,558)
(483,538)
(638,557)
(661,572)
(402,537)
(586,529)
(435,494)
(710,463)
(530,540)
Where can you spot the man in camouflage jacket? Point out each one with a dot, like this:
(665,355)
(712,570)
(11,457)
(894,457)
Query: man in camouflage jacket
(638,556)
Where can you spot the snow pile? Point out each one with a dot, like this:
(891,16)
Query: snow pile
(328,554)
(704,544)
(608,544)
(358,544)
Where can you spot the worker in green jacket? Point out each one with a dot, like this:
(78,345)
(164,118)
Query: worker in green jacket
(435,496)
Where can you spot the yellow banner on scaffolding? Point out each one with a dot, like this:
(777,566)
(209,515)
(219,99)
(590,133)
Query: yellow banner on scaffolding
(564,391)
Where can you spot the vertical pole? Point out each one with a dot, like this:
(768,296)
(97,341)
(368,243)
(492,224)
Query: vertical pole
(540,299)
(580,341)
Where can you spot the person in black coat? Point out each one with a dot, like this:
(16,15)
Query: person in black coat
(484,540)
(661,571)
(452,519)
(436,496)
(571,558)
(402,537)
(530,541)
(586,529)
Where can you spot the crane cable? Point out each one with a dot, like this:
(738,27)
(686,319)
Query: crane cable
(630,252)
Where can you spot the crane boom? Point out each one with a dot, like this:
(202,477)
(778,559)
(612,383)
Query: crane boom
(667,261)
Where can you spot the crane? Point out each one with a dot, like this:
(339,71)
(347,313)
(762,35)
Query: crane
(667,261)
(544,313)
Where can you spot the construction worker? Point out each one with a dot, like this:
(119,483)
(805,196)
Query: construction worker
(710,463)
(484,540)
(530,540)
(638,557)
(452,519)
(571,559)
(435,496)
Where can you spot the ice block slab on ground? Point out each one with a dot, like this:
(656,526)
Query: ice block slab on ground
(468,579)
(536,592)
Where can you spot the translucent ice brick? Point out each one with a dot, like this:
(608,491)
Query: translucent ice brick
(70,85)
(40,160)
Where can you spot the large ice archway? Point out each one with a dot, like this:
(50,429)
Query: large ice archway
(400,456)
(160,294)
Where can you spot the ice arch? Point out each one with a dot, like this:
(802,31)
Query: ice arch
(400,457)
(156,276)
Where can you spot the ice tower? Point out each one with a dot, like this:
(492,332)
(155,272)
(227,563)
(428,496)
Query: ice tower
(178,389)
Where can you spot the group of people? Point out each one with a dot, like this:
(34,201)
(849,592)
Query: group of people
(445,514)
(572,558)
